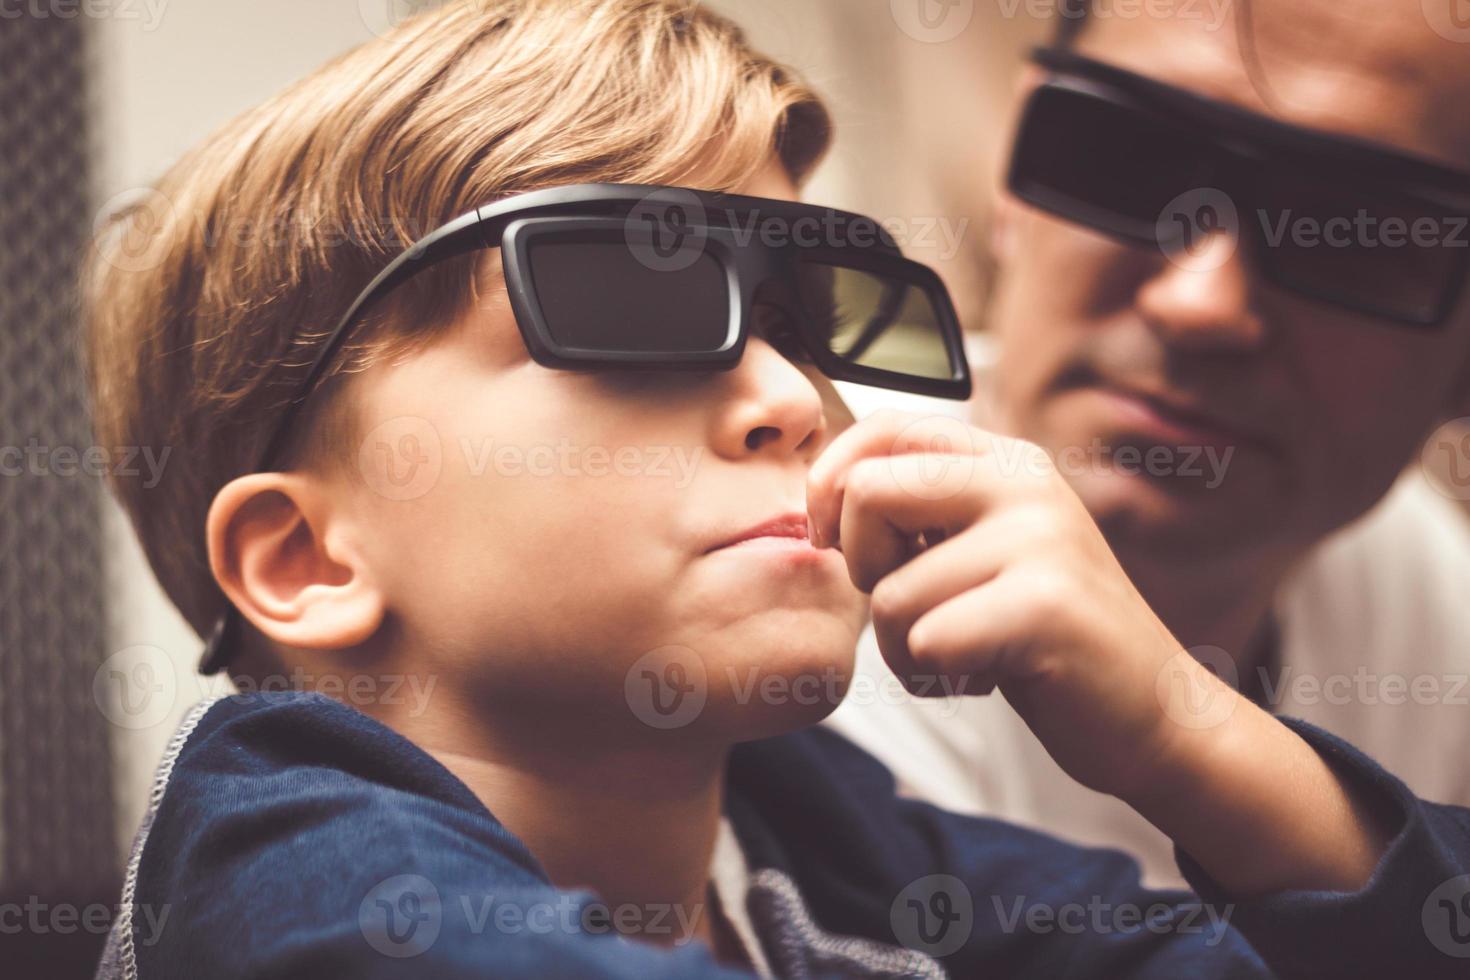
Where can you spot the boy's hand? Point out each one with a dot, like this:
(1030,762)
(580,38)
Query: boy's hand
(987,571)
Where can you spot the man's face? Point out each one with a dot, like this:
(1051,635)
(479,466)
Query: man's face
(560,543)
(1209,414)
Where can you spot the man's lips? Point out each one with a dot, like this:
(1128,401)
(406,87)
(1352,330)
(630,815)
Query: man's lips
(1172,421)
(785,530)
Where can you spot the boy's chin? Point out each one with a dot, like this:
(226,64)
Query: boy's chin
(751,679)
(792,689)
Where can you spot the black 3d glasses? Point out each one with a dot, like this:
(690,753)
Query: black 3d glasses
(1339,220)
(629,277)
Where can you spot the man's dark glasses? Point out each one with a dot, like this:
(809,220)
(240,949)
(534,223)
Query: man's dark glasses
(628,277)
(1339,220)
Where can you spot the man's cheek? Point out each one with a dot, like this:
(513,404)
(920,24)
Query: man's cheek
(1049,418)
(1021,379)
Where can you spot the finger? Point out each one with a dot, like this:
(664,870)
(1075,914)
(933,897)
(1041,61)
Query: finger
(965,561)
(885,434)
(928,580)
(890,501)
(969,640)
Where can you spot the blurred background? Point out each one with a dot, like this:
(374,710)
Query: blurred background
(96,668)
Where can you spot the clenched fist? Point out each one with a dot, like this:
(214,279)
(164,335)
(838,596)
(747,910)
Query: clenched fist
(986,571)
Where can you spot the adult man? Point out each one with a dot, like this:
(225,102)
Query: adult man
(1231,393)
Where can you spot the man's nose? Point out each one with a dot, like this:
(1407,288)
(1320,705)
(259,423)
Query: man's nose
(1207,300)
(769,407)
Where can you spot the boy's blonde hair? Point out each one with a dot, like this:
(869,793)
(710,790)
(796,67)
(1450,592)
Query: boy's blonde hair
(207,300)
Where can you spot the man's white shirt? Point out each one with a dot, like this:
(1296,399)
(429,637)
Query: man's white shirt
(1374,647)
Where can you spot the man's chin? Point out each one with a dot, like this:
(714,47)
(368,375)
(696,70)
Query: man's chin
(1141,514)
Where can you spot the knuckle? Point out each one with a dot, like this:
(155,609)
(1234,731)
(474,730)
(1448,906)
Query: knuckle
(1023,459)
(925,650)
(1035,526)
(890,599)
(868,480)
(1037,457)
(1048,592)
(863,577)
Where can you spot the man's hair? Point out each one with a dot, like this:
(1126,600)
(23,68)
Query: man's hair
(208,298)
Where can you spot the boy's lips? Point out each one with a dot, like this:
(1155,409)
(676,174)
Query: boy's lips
(785,531)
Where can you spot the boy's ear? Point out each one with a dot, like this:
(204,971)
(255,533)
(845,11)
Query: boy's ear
(280,558)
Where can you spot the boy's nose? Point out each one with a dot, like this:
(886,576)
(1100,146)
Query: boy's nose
(769,406)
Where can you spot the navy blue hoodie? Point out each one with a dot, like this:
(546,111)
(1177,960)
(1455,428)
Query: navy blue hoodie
(291,836)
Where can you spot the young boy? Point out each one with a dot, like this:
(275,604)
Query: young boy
(452,469)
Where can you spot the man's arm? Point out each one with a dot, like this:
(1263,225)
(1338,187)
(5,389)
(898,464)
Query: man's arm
(1412,916)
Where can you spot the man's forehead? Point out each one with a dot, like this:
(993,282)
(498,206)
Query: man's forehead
(1373,69)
